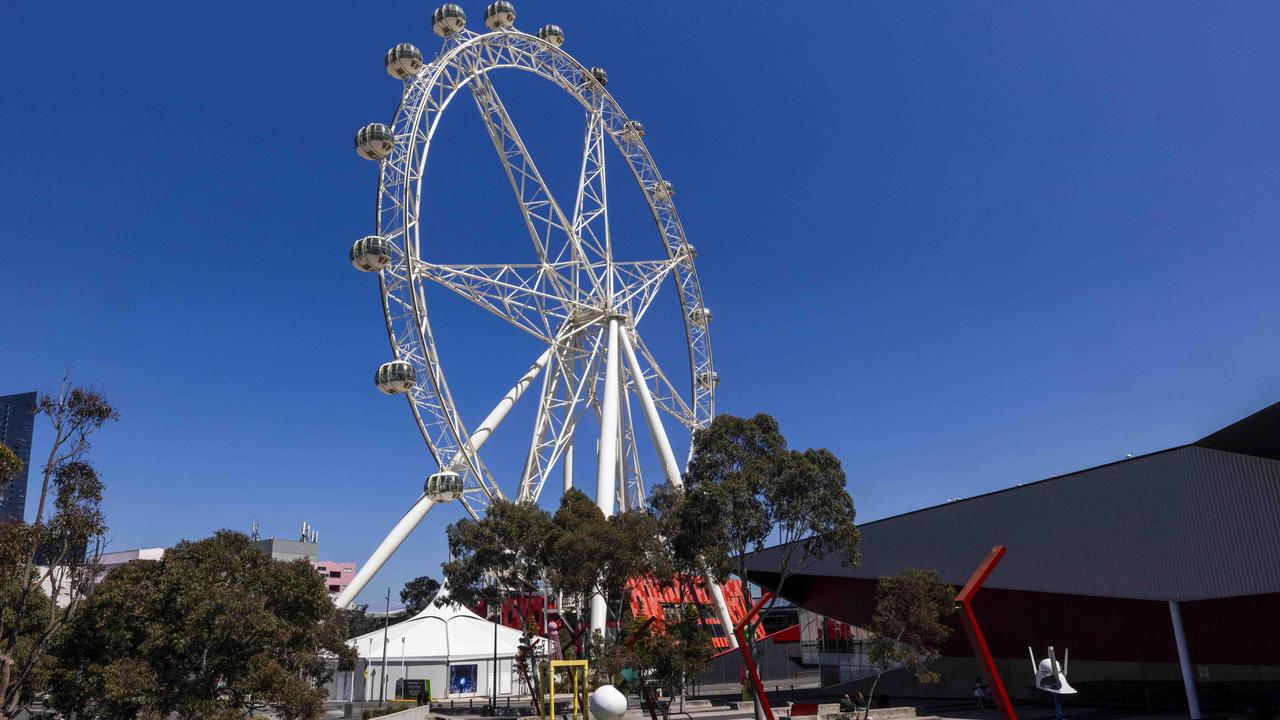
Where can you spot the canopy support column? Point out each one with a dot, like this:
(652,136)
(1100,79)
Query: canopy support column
(1184,660)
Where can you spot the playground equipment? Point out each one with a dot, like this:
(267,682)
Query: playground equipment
(577,670)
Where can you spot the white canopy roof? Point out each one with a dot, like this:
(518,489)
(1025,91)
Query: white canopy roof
(451,632)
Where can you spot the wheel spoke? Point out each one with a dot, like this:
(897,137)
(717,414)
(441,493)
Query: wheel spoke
(591,207)
(633,494)
(665,395)
(564,398)
(637,284)
(523,295)
(553,237)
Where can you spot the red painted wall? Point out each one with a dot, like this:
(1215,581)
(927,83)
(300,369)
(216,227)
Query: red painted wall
(1230,631)
(648,596)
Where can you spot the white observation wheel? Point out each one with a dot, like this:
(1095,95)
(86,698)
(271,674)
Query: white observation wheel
(586,307)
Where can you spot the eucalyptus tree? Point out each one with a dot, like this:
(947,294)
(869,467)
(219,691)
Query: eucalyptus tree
(908,626)
(745,489)
(47,566)
(217,628)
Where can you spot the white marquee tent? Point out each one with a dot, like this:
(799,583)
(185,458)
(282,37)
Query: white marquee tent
(448,645)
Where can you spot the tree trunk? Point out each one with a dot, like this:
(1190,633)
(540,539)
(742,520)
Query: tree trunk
(871,694)
(6,665)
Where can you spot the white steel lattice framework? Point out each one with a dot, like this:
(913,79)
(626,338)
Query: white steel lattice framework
(582,304)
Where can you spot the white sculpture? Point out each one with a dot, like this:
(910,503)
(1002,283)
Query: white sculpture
(607,703)
(1051,677)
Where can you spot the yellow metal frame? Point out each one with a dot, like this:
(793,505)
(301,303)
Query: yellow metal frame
(577,669)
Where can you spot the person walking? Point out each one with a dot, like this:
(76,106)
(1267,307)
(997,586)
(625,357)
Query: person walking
(422,697)
(980,691)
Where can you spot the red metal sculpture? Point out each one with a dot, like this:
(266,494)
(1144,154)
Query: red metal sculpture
(986,664)
(746,653)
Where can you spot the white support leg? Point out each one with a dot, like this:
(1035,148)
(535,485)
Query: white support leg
(621,474)
(419,510)
(389,545)
(656,432)
(1184,659)
(722,608)
(499,413)
(672,471)
(568,465)
(607,463)
(568,448)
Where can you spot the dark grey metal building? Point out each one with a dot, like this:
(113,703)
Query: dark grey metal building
(17,423)
(290,550)
(1159,568)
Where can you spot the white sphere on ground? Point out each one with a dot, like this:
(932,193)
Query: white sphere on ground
(607,703)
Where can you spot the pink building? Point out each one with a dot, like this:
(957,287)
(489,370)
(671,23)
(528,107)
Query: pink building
(337,575)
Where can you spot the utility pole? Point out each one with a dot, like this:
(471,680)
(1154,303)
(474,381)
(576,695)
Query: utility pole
(493,680)
(386,625)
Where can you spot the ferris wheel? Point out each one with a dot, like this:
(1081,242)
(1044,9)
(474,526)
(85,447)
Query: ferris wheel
(581,303)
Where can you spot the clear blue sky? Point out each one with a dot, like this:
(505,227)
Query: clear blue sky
(963,245)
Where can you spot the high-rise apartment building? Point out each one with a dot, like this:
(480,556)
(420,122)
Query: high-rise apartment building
(17,421)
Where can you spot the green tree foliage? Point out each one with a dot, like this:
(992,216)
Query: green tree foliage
(516,547)
(908,626)
(418,594)
(215,628)
(590,554)
(65,534)
(10,466)
(521,548)
(506,548)
(671,656)
(745,489)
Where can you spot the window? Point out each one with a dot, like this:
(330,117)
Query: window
(462,679)
(335,573)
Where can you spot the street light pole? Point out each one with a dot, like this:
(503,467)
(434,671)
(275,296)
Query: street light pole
(386,625)
(404,676)
(493,680)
